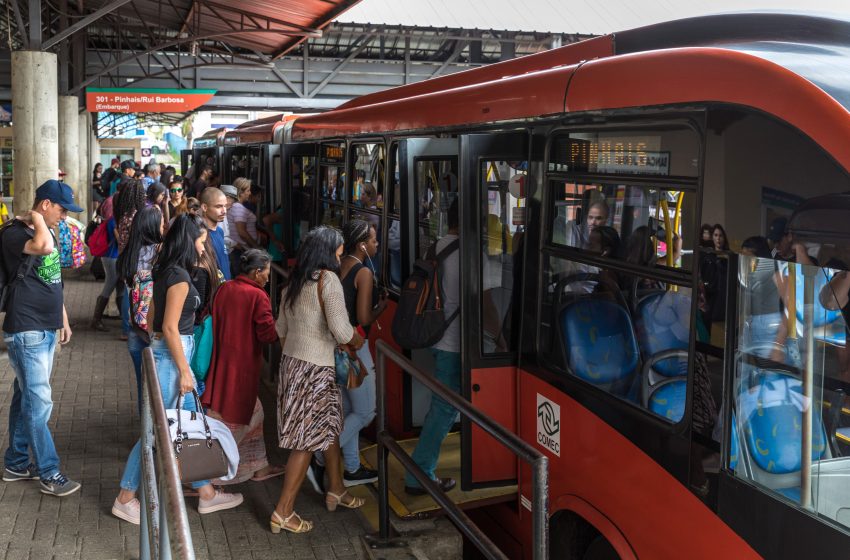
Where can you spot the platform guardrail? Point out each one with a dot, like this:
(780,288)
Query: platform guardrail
(387,444)
(164,533)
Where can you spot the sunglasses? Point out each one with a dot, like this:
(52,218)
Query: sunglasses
(177,190)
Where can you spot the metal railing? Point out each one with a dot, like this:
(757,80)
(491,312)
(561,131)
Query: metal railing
(387,444)
(163,510)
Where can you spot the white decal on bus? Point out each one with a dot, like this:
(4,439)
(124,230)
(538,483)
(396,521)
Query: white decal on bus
(548,424)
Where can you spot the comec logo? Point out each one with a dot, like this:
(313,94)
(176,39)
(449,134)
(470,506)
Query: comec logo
(547,416)
(548,425)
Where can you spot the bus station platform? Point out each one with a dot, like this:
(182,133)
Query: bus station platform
(95,423)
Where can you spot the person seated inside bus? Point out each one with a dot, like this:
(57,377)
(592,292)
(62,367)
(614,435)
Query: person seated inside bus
(605,241)
(597,215)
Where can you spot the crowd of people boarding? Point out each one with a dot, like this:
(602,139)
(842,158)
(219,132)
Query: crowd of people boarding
(190,279)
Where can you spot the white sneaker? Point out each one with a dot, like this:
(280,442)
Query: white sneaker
(130,512)
(221,500)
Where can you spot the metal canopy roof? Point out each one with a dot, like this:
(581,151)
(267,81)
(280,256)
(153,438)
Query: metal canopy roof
(253,31)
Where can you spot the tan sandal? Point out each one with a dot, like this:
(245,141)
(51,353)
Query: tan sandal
(333,500)
(277,523)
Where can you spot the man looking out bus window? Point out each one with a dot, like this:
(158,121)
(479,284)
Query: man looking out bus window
(597,215)
(441,415)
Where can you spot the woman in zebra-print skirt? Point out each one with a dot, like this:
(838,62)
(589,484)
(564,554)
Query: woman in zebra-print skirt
(312,321)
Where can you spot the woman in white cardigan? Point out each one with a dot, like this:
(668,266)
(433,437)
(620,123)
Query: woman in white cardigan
(312,321)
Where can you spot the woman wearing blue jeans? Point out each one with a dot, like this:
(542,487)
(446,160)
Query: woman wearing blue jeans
(138,256)
(364,304)
(171,321)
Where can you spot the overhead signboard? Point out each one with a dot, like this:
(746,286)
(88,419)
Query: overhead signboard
(145,100)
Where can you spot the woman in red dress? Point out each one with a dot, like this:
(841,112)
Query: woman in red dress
(242,324)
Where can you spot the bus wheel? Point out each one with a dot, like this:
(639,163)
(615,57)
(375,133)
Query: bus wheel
(600,549)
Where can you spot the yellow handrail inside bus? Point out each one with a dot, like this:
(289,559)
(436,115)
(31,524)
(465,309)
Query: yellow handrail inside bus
(680,198)
(666,211)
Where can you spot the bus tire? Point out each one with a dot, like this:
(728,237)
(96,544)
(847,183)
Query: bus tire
(600,549)
(570,536)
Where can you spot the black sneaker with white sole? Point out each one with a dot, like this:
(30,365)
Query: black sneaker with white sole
(59,485)
(361,476)
(14,475)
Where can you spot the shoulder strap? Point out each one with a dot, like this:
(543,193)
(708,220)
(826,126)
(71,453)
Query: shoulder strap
(319,293)
(448,250)
(27,261)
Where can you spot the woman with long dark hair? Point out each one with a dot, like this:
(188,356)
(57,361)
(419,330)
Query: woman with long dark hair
(311,322)
(96,178)
(137,259)
(713,268)
(178,201)
(171,323)
(364,304)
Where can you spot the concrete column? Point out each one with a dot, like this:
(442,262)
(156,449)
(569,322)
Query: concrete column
(69,145)
(86,162)
(36,130)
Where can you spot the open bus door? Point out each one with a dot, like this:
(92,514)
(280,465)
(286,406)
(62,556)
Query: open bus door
(493,173)
(271,175)
(298,196)
(187,158)
(428,170)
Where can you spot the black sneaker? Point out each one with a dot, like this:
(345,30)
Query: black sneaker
(12,475)
(361,476)
(316,476)
(446,484)
(59,485)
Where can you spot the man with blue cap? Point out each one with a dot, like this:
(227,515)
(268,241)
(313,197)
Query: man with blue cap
(35,319)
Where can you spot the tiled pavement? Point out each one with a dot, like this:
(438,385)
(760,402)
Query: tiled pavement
(95,424)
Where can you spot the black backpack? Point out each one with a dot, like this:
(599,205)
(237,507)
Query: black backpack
(8,280)
(419,320)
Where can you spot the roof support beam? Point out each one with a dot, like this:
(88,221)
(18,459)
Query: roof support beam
(83,23)
(22,31)
(34,42)
(363,44)
(170,44)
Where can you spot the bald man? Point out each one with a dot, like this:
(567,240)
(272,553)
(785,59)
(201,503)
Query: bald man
(214,212)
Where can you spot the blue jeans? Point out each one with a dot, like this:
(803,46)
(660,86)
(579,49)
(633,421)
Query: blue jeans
(31,356)
(124,308)
(169,384)
(135,345)
(440,417)
(358,405)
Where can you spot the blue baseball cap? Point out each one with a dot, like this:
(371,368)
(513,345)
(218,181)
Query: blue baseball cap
(59,193)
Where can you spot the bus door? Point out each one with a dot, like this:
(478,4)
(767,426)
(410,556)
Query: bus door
(187,158)
(271,173)
(298,168)
(428,171)
(493,171)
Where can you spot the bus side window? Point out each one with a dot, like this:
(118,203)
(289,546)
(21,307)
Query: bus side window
(393,241)
(502,231)
(436,188)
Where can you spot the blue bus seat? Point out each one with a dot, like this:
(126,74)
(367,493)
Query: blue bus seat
(771,412)
(733,444)
(662,321)
(599,344)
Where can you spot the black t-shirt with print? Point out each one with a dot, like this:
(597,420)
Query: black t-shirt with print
(35,303)
(163,280)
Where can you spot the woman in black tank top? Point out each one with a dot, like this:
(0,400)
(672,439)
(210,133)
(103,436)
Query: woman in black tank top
(364,305)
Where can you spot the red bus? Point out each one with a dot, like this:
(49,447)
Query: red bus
(689,394)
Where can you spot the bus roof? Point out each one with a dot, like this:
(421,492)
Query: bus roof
(801,61)
(211,138)
(258,131)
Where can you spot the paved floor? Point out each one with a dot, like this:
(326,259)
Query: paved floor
(95,424)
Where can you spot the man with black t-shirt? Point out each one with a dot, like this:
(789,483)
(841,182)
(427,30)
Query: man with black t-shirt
(35,317)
